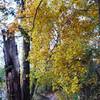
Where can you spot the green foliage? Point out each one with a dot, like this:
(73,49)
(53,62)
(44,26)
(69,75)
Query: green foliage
(1,76)
(2,72)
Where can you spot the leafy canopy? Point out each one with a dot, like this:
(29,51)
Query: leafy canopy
(60,32)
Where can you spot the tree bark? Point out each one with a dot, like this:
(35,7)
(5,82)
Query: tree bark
(26,70)
(33,89)
(26,66)
(12,69)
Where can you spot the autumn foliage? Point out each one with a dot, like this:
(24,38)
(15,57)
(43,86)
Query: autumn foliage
(60,31)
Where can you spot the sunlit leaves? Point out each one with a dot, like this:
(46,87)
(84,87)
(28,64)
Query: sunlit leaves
(64,23)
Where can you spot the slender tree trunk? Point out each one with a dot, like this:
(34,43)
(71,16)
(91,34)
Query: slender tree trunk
(33,89)
(26,64)
(12,69)
(26,69)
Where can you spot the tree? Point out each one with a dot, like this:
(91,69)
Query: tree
(12,67)
(26,64)
(60,33)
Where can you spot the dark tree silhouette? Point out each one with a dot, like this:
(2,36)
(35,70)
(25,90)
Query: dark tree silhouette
(12,68)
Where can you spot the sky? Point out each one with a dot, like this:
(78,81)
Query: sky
(13,5)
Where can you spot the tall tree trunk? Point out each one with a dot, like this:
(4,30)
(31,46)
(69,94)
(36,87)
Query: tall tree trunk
(26,69)
(12,69)
(26,64)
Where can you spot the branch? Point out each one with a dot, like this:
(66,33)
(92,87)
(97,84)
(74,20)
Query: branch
(87,8)
(24,17)
(1,47)
(34,17)
(36,12)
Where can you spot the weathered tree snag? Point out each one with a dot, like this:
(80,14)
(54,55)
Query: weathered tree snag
(12,68)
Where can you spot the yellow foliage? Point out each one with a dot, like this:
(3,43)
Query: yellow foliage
(56,22)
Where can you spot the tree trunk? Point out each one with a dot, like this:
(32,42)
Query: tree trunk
(26,66)
(26,70)
(33,89)
(12,69)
